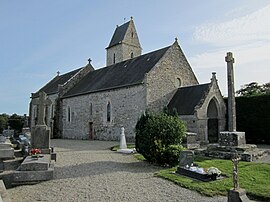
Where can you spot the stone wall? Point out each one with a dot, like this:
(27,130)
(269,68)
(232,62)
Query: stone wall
(127,105)
(118,51)
(171,72)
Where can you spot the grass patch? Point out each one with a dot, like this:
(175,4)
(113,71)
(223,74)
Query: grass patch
(253,177)
(139,157)
(129,146)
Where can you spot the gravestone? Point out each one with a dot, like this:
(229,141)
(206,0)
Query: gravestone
(123,144)
(40,134)
(8,133)
(6,150)
(186,158)
(187,168)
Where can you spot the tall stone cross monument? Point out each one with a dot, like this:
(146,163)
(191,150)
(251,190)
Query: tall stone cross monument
(231,137)
(40,134)
(231,93)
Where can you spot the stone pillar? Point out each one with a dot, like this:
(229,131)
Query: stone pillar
(231,138)
(231,93)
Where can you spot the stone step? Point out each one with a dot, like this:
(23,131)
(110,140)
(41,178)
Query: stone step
(12,164)
(31,177)
(249,155)
(18,153)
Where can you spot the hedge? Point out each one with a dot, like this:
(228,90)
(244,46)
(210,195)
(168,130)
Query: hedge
(253,117)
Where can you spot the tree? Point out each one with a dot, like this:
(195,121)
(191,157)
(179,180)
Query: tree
(16,122)
(266,88)
(254,89)
(3,122)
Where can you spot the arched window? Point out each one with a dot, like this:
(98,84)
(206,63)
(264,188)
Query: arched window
(91,109)
(178,82)
(109,112)
(52,111)
(69,114)
(212,110)
(114,58)
(132,34)
(131,55)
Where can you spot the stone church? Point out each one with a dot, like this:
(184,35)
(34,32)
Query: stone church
(90,103)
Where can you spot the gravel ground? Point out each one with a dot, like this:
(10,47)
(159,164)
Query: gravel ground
(89,171)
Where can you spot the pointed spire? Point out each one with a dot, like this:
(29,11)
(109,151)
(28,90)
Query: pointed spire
(175,41)
(214,78)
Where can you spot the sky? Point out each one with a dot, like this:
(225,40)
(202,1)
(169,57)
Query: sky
(39,38)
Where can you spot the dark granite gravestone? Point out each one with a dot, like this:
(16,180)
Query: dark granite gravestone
(186,158)
(185,162)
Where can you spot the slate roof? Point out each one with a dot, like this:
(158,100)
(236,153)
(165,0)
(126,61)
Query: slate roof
(126,73)
(187,98)
(52,86)
(119,34)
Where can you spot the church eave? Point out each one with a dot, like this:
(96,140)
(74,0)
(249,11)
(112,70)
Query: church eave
(102,90)
(35,95)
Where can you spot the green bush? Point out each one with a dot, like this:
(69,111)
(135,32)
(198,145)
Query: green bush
(172,153)
(159,138)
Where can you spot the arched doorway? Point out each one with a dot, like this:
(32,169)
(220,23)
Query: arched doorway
(212,123)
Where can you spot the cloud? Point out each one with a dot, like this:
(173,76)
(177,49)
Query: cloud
(245,54)
(247,36)
(242,30)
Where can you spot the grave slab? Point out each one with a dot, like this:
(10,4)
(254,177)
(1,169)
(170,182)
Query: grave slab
(32,164)
(25,177)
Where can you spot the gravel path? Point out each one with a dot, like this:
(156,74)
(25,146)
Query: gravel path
(89,171)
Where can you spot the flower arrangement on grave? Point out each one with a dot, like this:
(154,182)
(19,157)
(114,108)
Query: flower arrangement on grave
(213,172)
(35,152)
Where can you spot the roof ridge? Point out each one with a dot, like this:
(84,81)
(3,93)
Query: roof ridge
(125,73)
(196,85)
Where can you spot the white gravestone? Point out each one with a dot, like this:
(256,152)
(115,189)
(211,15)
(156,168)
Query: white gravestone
(123,145)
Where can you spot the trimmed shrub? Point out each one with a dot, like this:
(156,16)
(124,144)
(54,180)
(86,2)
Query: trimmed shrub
(252,117)
(159,138)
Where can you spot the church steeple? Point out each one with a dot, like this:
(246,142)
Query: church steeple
(124,44)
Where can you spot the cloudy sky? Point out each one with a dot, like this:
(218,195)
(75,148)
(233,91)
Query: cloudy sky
(39,38)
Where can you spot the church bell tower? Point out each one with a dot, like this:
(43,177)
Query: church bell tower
(124,44)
